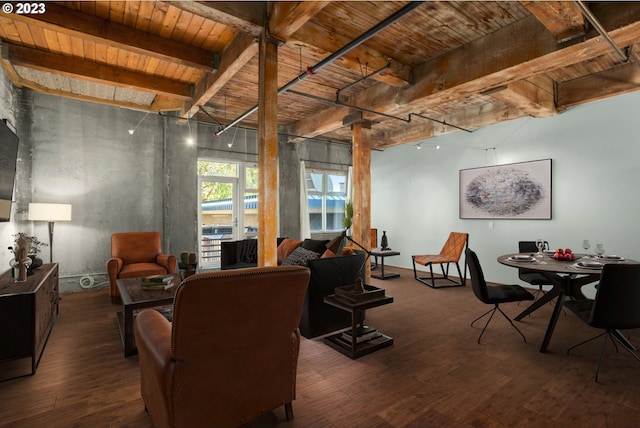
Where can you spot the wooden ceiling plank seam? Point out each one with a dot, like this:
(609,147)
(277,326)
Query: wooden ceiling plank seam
(145,13)
(157,17)
(169,22)
(96,72)
(26,38)
(62,19)
(116,11)
(89,49)
(205,29)
(192,28)
(131,13)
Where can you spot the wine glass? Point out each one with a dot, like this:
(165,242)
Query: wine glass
(540,245)
(586,244)
(600,249)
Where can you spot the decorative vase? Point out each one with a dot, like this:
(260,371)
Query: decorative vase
(20,269)
(383,241)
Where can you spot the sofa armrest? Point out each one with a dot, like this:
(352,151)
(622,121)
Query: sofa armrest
(153,340)
(114,266)
(167,261)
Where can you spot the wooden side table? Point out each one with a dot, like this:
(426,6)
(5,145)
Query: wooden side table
(382,254)
(360,339)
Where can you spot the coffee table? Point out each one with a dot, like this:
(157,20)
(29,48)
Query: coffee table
(135,298)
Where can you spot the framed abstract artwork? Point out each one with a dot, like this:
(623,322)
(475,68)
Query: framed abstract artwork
(511,191)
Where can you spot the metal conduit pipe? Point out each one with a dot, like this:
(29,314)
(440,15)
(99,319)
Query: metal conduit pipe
(592,19)
(331,58)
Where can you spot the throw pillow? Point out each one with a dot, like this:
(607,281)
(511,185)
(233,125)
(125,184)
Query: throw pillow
(315,245)
(300,257)
(286,247)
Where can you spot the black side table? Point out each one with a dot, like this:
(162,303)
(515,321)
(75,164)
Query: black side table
(360,339)
(382,254)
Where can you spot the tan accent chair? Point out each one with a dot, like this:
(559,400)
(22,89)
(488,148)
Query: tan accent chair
(450,253)
(231,353)
(136,254)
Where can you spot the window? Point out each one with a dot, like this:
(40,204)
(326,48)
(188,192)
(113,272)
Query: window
(326,196)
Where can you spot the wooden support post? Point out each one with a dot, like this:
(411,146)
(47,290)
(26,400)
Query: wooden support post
(361,139)
(268,153)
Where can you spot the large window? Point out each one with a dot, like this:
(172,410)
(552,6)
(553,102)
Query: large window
(326,196)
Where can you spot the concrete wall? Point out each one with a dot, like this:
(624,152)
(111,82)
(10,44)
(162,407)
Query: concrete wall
(594,150)
(82,154)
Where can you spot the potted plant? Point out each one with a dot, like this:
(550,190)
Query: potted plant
(347,221)
(27,246)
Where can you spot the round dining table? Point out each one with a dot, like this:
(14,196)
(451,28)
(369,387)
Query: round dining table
(567,279)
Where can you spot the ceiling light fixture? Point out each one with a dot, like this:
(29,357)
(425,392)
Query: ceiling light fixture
(190,137)
(437,147)
(131,131)
(418,147)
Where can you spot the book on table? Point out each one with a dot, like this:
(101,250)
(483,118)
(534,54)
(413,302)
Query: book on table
(157,285)
(157,278)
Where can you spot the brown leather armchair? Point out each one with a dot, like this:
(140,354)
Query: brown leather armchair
(231,353)
(135,254)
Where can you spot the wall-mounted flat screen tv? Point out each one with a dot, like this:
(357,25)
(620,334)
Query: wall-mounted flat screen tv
(8,159)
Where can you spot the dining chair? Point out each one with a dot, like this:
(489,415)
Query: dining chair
(450,253)
(494,294)
(529,276)
(614,307)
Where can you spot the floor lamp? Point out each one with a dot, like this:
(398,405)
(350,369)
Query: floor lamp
(50,213)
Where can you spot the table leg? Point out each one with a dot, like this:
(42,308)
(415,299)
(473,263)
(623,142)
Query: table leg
(129,345)
(552,322)
(546,298)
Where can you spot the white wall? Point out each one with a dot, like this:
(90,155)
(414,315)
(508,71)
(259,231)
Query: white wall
(595,150)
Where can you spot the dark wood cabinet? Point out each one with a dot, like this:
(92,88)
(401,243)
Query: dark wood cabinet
(28,311)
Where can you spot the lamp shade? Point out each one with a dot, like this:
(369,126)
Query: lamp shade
(50,212)
(335,243)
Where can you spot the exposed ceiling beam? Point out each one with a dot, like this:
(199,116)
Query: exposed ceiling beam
(562,18)
(521,50)
(95,72)
(240,51)
(244,16)
(619,80)
(87,27)
(285,18)
(469,118)
(534,96)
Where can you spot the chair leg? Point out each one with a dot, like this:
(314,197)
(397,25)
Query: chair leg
(585,341)
(604,344)
(288,410)
(492,311)
(512,324)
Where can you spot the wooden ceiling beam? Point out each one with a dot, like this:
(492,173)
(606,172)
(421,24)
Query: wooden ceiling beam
(243,16)
(534,96)
(519,51)
(95,72)
(616,81)
(469,118)
(562,18)
(285,18)
(87,27)
(240,51)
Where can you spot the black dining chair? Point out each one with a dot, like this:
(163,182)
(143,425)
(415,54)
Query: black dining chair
(495,294)
(615,307)
(529,276)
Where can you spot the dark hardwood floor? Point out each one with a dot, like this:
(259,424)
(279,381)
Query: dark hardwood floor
(434,375)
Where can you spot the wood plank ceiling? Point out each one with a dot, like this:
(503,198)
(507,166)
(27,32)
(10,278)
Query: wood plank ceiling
(438,67)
